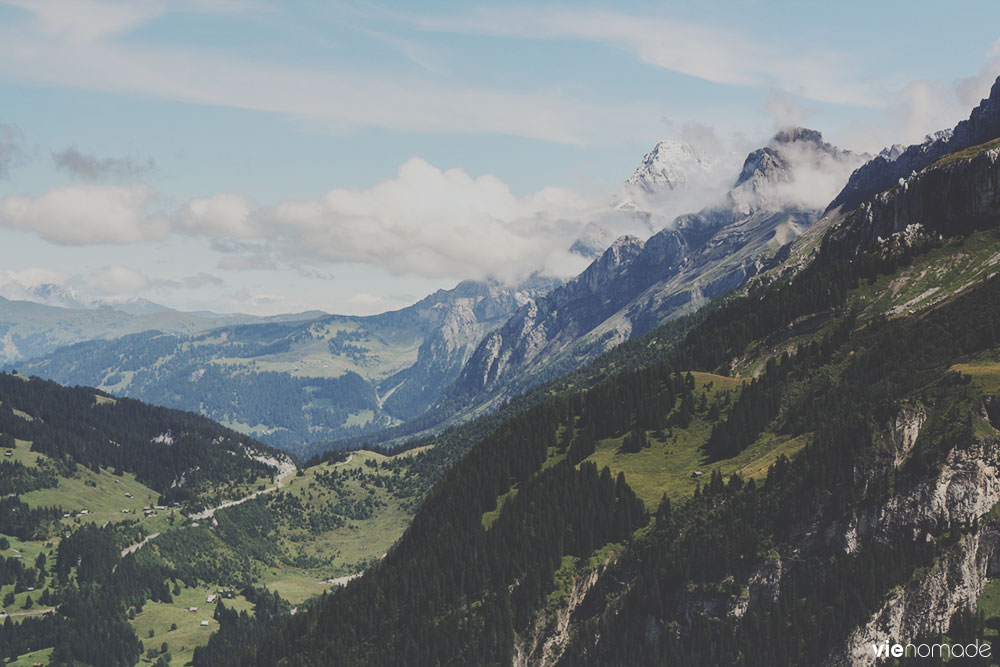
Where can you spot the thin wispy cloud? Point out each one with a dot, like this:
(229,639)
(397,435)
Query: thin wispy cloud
(94,57)
(706,52)
(92,168)
(12,153)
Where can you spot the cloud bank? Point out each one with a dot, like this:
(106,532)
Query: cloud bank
(86,214)
(424,221)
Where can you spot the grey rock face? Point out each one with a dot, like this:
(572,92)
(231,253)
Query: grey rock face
(884,171)
(635,286)
(967,488)
(944,200)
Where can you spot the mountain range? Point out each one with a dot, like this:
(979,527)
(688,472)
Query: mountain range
(768,435)
(466,350)
(816,456)
(636,285)
(290,381)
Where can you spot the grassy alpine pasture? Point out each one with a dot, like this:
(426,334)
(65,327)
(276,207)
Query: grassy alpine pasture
(28,551)
(669,464)
(985,375)
(29,659)
(344,550)
(159,617)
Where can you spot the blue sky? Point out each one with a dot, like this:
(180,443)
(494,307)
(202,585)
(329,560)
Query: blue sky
(352,156)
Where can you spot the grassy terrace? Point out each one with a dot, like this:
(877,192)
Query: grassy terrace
(933,277)
(967,154)
(985,375)
(102,494)
(668,464)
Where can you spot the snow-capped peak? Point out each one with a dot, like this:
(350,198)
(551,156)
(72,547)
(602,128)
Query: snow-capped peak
(48,294)
(891,153)
(670,165)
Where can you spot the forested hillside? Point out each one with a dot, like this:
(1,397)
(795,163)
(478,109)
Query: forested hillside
(117,517)
(867,383)
(292,382)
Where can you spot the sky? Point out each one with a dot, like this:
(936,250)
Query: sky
(268,157)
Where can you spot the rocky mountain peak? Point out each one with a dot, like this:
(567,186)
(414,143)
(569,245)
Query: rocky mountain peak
(792,154)
(47,294)
(622,251)
(765,164)
(890,153)
(668,166)
(772,163)
(792,134)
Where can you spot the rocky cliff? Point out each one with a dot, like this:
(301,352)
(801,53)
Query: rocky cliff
(954,195)
(886,169)
(964,491)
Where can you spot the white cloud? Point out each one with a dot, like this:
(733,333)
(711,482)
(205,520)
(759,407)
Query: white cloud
(117,280)
(818,175)
(425,221)
(224,215)
(86,214)
(971,90)
(927,105)
(34,276)
(432,223)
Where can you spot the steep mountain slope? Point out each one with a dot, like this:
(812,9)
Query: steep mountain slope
(672,177)
(886,169)
(863,455)
(51,433)
(294,382)
(635,286)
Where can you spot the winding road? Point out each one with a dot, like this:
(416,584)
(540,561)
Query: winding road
(285,468)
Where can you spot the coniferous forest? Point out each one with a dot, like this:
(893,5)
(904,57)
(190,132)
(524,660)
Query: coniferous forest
(455,589)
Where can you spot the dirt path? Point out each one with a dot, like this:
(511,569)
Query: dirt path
(210,512)
(285,468)
(138,545)
(33,612)
(342,581)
